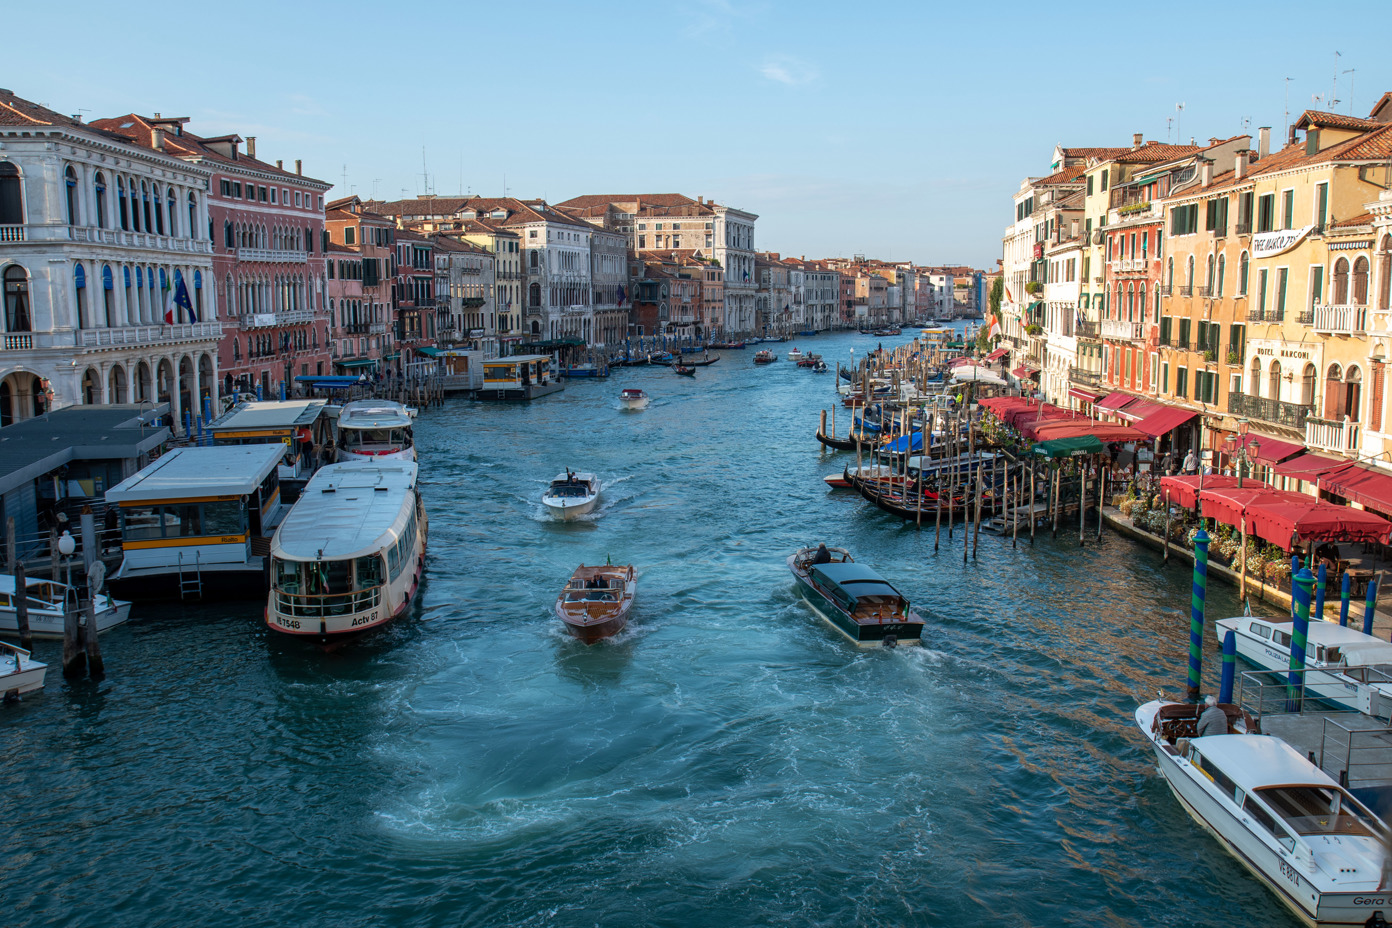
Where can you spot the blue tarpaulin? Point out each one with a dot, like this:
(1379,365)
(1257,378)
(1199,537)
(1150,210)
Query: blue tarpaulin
(912,442)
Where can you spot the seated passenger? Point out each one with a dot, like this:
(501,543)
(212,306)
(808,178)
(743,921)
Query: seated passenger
(823,556)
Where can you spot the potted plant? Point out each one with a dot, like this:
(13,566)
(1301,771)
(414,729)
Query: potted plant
(1034,288)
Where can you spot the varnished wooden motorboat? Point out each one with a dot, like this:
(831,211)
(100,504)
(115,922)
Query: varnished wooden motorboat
(596,602)
(854,599)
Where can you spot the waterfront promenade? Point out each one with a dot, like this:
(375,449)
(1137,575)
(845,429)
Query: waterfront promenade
(727,760)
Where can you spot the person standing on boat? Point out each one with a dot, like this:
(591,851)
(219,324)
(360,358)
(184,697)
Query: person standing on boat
(1213,720)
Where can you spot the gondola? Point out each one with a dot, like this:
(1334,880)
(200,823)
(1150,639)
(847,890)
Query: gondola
(844,444)
(706,363)
(684,371)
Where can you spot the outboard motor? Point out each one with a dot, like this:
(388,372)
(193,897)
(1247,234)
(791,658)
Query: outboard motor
(890,641)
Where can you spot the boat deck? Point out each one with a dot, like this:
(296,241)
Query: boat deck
(1349,746)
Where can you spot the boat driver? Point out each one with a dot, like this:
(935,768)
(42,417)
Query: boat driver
(1213,721)
(823,556)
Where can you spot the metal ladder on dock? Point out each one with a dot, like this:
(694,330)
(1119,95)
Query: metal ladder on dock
(190,580)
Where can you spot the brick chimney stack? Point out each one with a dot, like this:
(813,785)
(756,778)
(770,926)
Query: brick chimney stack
(1136,139)
(299,166)
(1263,142)
(251,146)
(1240,165)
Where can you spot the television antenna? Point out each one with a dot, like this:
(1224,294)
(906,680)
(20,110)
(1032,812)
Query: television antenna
(1350,102)
(1287,129)
(1334,91)
(1179,112)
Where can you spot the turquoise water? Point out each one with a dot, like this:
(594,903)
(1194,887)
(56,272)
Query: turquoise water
(728,760)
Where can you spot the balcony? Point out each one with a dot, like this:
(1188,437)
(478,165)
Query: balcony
(1347,319)
(1205,292)
(1084,378)
(1305,317)
(19,342)
(473,302)
(1166,289)
(267,320)
(273,255)
(112,237)
(1290,415)
(1122,329)
(11,234)
(1186,290)
(1339,435)
(146,335)
(1242,228)
(1085,329)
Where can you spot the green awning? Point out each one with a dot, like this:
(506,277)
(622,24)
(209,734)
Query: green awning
(395,355)
(1033,305)
(1068,447)
(357,362)
(568,342)
(429,352)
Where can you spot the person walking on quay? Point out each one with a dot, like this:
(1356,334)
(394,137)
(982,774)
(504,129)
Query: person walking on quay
(1213,721)
(1191,462)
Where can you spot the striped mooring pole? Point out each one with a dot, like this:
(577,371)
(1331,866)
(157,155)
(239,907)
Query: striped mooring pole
(1196,613)
(1370,607)
(1225,682)
(1303,583)
(1319,590)
(1345,589)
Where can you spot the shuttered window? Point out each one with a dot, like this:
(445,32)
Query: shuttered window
(1375,397)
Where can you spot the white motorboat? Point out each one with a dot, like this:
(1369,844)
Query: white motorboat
(375,430)
(46,600)
(1343,665)
(571,495)
(633,398)
(794,354)
(1315,846)
(19,673)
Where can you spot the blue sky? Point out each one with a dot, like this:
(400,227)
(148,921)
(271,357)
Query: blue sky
(898,130)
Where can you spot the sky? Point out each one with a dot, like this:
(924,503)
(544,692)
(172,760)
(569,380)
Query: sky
(893,130)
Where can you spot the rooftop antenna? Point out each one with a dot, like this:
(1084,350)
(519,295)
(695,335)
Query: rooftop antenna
(1350,102)
(1287,129)
(1179,112)
(425,174)
(375,182)
(1334,91)
(1169,125)
(345,175)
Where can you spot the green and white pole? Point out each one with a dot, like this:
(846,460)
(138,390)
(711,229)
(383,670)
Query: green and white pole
(1196,613)
(1303,583)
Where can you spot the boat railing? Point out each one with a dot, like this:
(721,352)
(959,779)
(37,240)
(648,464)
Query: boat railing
(314,605)
(1287,692)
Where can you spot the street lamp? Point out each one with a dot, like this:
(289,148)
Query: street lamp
(1242,445)
(66,546)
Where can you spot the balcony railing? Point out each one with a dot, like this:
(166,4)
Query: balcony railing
(122,336)
(1085,329)
(1339,435)
(1242,228)
(1305,317)
(1121,328)
(116,237)
(1347,319)
(276,255)
(1080,377)
(267,320)
(1270,315)
(1290,415)
(1186,290)
(19,342)
(1205,292)
(11,234)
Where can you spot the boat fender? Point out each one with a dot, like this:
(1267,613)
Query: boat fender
(890,641)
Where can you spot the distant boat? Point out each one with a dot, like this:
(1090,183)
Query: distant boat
(856,600)
(375,430)
(588,369)
(19,673)
(684,371)
(633,398)
(794,353)
(764,356)
(46,600)
(571,495)
(820,367)
(596,602)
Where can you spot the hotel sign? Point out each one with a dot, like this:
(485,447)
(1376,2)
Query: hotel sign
(1266,244)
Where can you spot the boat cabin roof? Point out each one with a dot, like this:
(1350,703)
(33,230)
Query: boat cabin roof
(269,414)
(348,510)
(1356,647)
(854,580)
(1256,761)
(191,473)
(632,391)
(374,414)
(518,359)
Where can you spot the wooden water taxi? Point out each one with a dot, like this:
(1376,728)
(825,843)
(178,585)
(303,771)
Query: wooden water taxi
(596,602)
(764,356)
(854,599)
(349,557)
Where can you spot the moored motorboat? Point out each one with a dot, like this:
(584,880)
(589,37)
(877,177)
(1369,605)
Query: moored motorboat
(764,356)
(349,556)
(46,600)
(1342,665)
(571,495)
(1295,829)
(19,672)
(596,602)
(853,598)
(633,398)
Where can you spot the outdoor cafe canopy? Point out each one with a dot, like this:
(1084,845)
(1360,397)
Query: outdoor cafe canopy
(1052,429)
(1288,519)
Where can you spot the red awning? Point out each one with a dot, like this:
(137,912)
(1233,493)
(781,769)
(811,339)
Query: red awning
(957,362)
(1164,420)
(1114,401)
(1229,504)
(1282,522)
(997,354)
(1023,372)
(1363,485)
(1138,410)
(1267,450)
(1087,396)
(1308,466)
(1002,403)
(1074,428)
(1183,489)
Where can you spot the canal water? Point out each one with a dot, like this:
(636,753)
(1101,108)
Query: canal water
(728,760)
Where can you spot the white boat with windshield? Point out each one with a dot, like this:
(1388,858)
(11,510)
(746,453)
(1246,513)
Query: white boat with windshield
(1313,845)
(571,495)
(1342,665)
(375,430)
(19,672)
(349,556)
(46,601)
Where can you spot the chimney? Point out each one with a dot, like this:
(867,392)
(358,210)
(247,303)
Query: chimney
(1136,139)
(1290,134)
(1263,142)
(701,201)
(280,165)
(251,146)
(157,139)
(1240,165)
(299,166)
(1206,173)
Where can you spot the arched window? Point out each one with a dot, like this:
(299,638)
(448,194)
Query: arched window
(108,293)
(193,219)
(1385,273)
(80,291)
(135,206)
(227,239)
(1307,385)
(1255,380)
(1333,392)
(121,202)
(1273,380)
(1242,268)
(99,185)
(1208,276)
(1360,281)
(1222,267)
(145,201)
(70,189)
(535,291)
(173,205)
(159,212)
(11,196)
(1341,281)
(1169,273)
(1189,272)
(17,300)
(1353,385)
